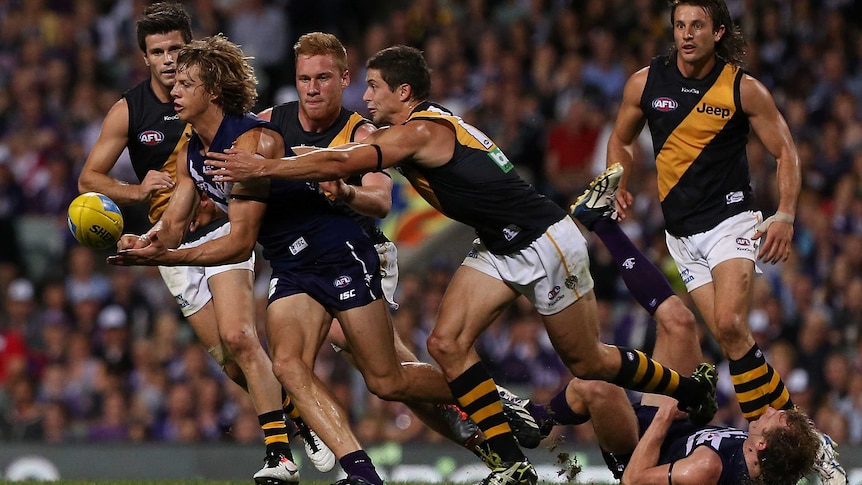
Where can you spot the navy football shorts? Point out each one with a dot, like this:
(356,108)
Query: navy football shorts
(342,279)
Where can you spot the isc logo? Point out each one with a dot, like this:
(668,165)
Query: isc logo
(664,104)
(101,232)
(151,137)
(347,295)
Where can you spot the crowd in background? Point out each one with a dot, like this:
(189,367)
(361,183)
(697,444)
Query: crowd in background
(95,353)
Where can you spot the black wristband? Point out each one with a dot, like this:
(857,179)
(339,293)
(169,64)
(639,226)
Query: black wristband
(669,471)
(379,158)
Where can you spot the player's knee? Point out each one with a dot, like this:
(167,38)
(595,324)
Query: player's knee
(240,343)
(442,348)
(592,392)
(289,369)
(388,389)
(731,331)
(676,319)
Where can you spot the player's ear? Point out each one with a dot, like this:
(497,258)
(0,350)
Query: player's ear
(404,92)
(345,78)
(719,33)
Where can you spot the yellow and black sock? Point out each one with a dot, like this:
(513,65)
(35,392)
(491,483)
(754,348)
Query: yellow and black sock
(477,394)
(275,432)
(757,385)
(640,373)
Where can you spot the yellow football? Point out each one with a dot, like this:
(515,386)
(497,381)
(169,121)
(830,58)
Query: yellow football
(95,220)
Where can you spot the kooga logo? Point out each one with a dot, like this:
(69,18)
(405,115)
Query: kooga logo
(664,104)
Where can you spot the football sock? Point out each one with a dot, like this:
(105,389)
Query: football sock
(757,385)
(645,281)
(640,373)
(557,410)
(477,395)
(290,410)
(358,464)
(275,432)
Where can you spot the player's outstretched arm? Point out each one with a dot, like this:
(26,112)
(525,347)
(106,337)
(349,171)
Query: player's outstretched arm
(383,149)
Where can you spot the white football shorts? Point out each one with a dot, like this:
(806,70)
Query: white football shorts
(696,255)
(553,272)
(188,284)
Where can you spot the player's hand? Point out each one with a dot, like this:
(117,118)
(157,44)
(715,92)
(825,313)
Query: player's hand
(154,181)
(668,411)
(149,253)
(337,190)
(624,200)
(131,241)
(776,239)
(234,165)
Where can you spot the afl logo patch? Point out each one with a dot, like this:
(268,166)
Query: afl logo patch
(341,281)
(151,137)
(664,104)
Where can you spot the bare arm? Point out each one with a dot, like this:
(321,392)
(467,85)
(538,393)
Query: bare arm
(372,198)
(112,140)
(171,227)
(701,467)
(771,128)
(245,218)
(412,141)
(630,121)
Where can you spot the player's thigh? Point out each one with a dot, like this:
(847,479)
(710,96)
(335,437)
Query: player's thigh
(574,331)
(370,336)
(295,327)
(472,302)
(204,324)
(233,300)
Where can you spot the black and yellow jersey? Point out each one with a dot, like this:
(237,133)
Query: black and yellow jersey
(286,118)
(480,187)
(699,133)
(154,139)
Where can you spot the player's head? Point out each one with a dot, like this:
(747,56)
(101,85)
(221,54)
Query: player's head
(214,70)
(786,445)
(163,18)
(162,30)
(321,75)
(396,76)
(705,28)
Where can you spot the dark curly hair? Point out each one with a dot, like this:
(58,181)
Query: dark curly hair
(731,46)
(162,18)
(224,71)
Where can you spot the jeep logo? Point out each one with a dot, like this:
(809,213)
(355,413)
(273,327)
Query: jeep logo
(713,110)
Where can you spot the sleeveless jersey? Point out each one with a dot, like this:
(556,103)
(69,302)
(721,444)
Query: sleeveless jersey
(300,227)
(683,437)
(725,442)
(154,139)
(479,187)
(699,133)
(286,118)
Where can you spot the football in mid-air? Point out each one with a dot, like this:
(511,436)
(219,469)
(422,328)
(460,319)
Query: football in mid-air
(95,220)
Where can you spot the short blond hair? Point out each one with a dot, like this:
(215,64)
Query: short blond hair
(322,44)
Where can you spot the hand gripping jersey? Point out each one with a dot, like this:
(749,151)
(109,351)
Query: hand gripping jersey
(479,187)
(286,118)
(699,133)
(155,137)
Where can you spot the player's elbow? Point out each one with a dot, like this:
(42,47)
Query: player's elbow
(85,183)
